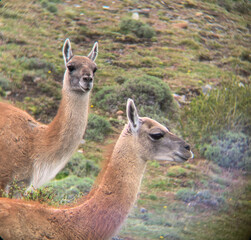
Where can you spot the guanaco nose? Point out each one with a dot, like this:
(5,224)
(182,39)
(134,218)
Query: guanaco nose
(187,147)
(87,79)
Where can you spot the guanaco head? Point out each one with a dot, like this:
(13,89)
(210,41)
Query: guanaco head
(153,140)
(79,74)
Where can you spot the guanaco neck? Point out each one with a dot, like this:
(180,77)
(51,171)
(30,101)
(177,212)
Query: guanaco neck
(70,122)
(116,193)
(57,141)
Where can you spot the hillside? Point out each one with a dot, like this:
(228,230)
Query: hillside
(197,51)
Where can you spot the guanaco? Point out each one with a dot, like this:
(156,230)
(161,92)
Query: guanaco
(32,153)
(102,214)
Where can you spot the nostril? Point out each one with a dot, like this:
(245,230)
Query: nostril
(187,147)
(88,79)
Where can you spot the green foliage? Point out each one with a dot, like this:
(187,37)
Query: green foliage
(4,84)
(189,43)
(98,127)
(45,195)
(152,97)
(9,13)
(241,6)
(75,179)
(148,91)
(140,29)
(153,197)
(68,189)
(225,108)
(177,171)
(229,150)
(36,63)
(185,194)
(107,98)
(79,166)
(50,5)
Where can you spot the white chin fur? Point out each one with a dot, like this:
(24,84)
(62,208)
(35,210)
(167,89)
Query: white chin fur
(192,155)
(164,158)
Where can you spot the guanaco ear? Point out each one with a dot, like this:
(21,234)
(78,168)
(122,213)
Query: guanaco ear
(94,52)
(132,115)
(67,52)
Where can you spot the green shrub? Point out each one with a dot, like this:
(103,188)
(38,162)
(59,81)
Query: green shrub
(224,108)
(107,98)
(242,6)
(79,166)
(148,91)
(140,29)
(177,171)
(152,96)
(50,5)
(44,3)
(52,8)
(4,82)
(68,189)
(9,13)
(153,197)
(185,195)
(55,1)
(229,150)
(36,63)
(98,127)
(189,43)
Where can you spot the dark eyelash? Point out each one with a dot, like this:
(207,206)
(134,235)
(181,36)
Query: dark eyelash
(156,136)
(71,68)
(95,69)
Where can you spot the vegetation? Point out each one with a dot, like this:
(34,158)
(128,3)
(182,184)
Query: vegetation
(222,109)
(175,47)
(152,96)
(98,128)
(140,29)
(229,150)
(4,85)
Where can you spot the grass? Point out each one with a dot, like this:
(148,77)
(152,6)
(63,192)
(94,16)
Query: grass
(215,47)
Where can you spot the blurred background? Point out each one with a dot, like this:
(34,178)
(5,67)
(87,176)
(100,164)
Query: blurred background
(186,63)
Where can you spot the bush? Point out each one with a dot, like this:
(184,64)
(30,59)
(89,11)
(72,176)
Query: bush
(140,29)
(79,166)
(52,8)
(242,6)
(152,97)
(177,171)
(148,91)
(4,82)
(229,150)
(98,127)
(36,63)
(207,198)
(223,109)
(186,195)
(107,98)
(68,189)
(50,5)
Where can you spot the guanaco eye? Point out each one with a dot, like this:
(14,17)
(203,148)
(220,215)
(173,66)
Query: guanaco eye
(71,68)
(156,136)
(94,70)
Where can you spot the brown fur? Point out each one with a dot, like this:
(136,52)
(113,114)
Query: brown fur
(101,215)
(32,153)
